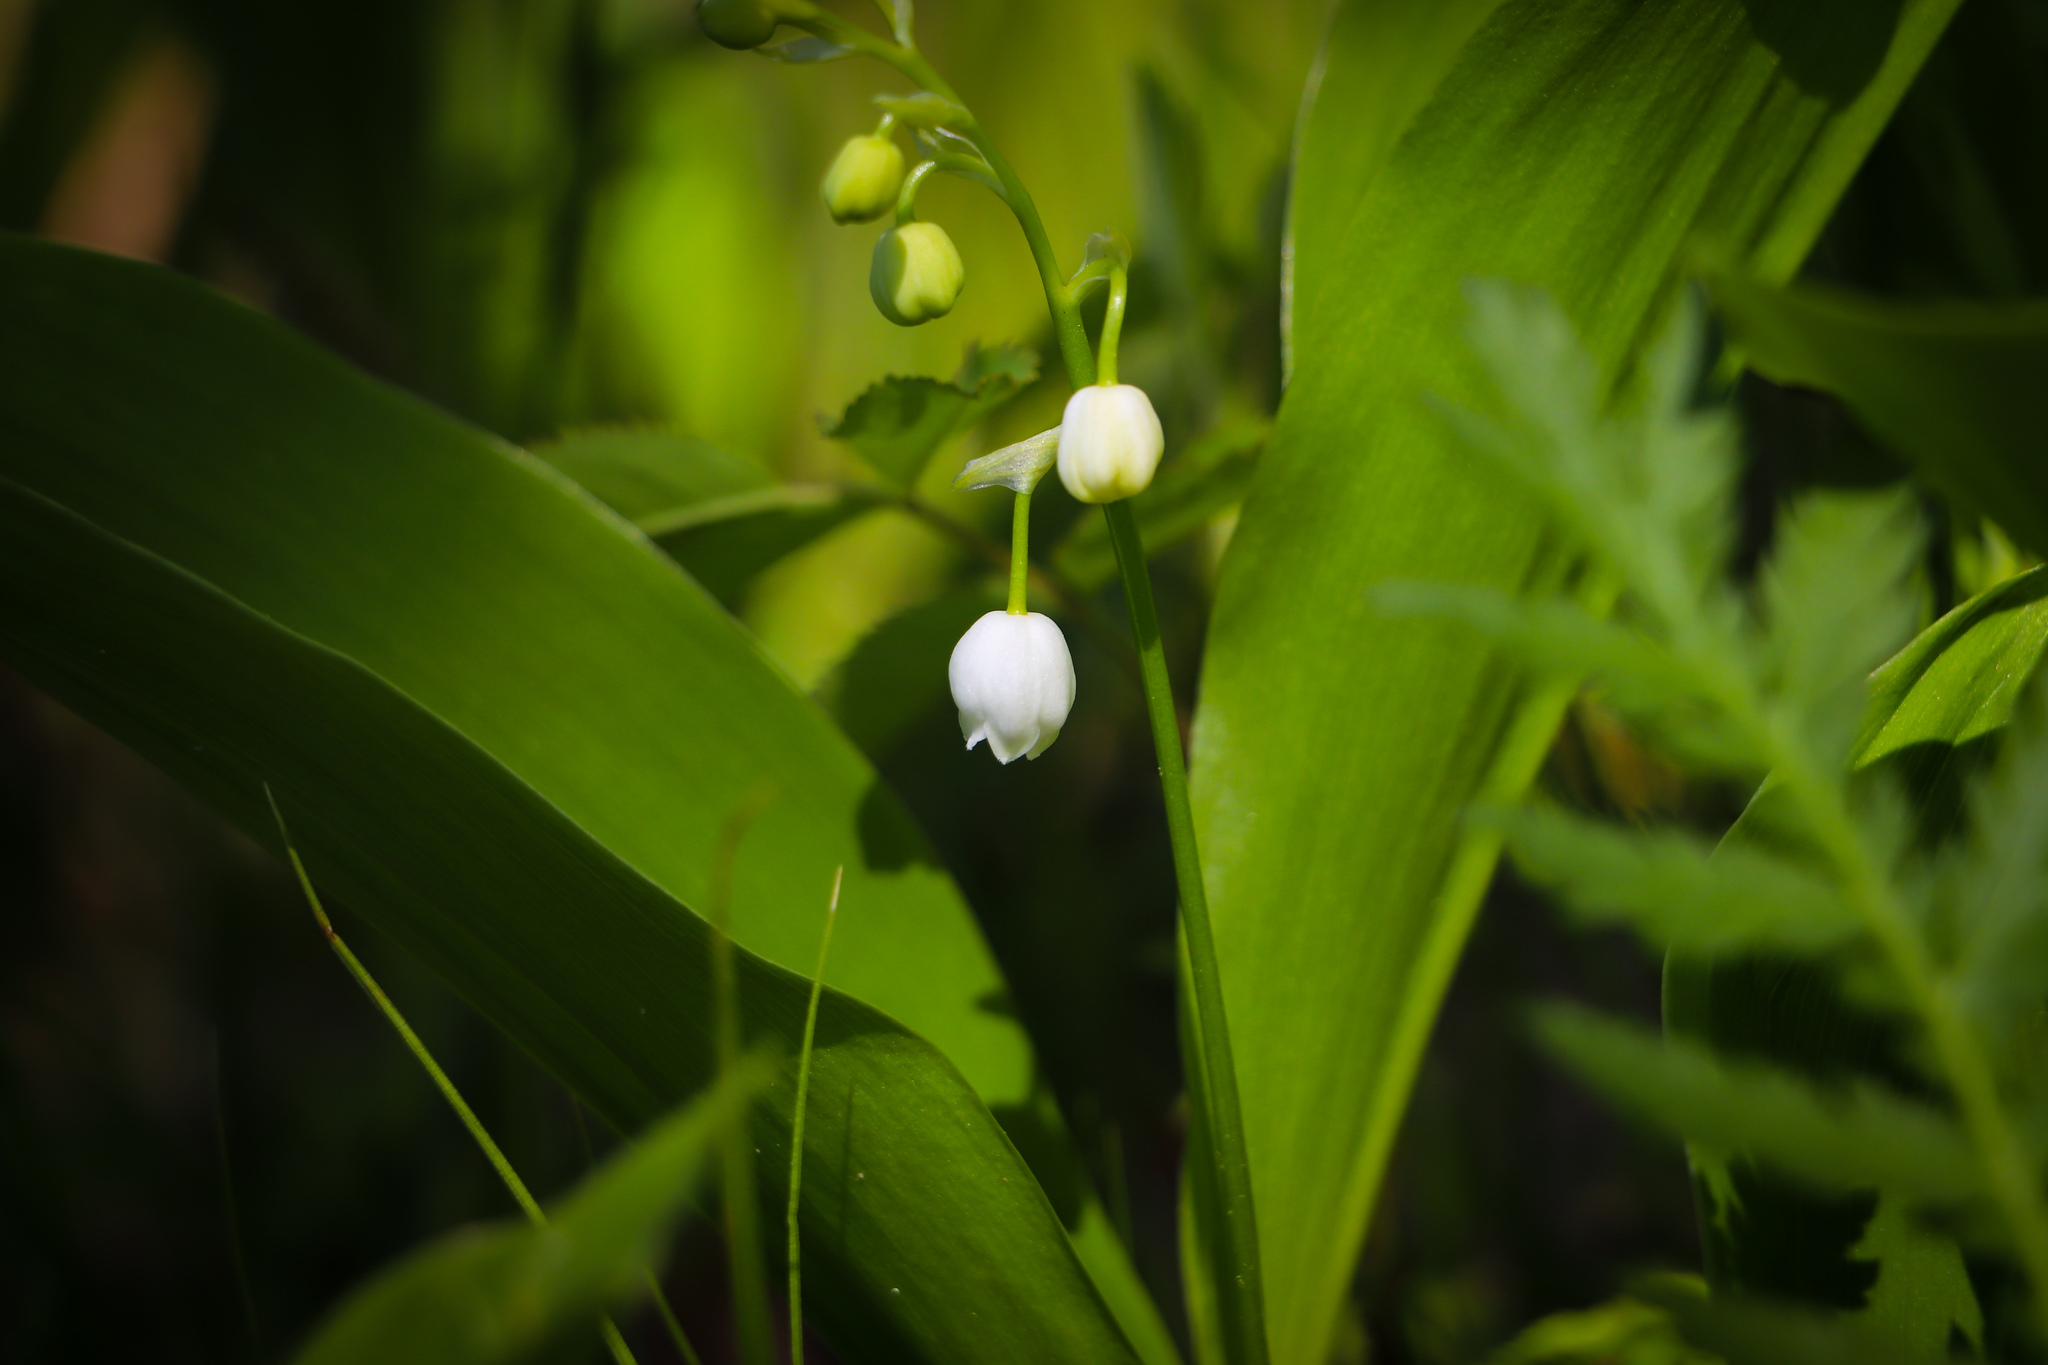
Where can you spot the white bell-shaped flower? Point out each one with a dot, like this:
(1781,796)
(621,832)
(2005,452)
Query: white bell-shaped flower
(1110,442)
(1013,681)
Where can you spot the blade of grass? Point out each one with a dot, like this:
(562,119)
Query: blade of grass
(615,1343)
(796,1140)
(751,1317)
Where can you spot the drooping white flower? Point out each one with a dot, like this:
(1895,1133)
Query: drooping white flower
(1110,442)
(1013,681)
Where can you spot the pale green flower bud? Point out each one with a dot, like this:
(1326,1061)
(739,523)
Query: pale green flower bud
(916,274)
(1013,681)
(864,179)
(1110,442)
(736,23)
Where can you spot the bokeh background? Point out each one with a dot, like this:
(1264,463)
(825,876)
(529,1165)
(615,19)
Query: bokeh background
(559,216)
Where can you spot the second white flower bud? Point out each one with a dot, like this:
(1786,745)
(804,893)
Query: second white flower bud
(1110,442)
(1013,681)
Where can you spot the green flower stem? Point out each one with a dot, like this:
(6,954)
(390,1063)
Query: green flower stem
(1213,1072)
(796,1131)
(520,1194)
(1112,324)
(1242,1296)
(906,198)
(1020,552)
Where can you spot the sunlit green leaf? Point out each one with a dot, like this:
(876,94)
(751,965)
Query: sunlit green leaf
(1334,753)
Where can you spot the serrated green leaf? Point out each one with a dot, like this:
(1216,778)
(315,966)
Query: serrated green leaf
(506,1292)
(1334,753)
(1836,604)
(1673,888)
(898,424)
(507,733)
(1847,1137)
(1956,388)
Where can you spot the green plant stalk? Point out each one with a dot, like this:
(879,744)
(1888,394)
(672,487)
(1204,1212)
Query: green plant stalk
(1113,324)
(520,1194)
(1243,1308)
(1243,1311)
(796,1130)
(1020,553)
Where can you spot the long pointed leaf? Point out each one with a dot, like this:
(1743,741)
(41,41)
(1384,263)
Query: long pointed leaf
(1576,146)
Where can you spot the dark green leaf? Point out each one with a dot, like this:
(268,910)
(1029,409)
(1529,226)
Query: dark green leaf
(507,733)
(1956,388)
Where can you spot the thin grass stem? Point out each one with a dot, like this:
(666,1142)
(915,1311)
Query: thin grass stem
(492,1153)
(796,1134)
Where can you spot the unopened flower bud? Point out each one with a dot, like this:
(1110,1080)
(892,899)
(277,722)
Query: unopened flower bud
(1110,442)
(916,274)
(1013,681)
(736,23)
(864,179)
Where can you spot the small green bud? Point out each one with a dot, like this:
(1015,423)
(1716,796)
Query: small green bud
(864,179)
(736,23)
(916,274)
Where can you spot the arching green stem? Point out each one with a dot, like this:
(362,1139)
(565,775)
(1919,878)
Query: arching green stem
(1020,552)
(906,198)
(1112,324)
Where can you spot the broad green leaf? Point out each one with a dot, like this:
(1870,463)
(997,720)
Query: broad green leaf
(641,473)
(898,424)
(727,542)
(507,732)
(1956,388)
(1672,888)
(1848,1137)
(506,1292)
(1575,146)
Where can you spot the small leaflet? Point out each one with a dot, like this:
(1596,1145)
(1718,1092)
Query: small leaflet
(1017,468)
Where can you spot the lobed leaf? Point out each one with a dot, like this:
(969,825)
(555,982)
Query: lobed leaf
(1673,888)
(1846,1137)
